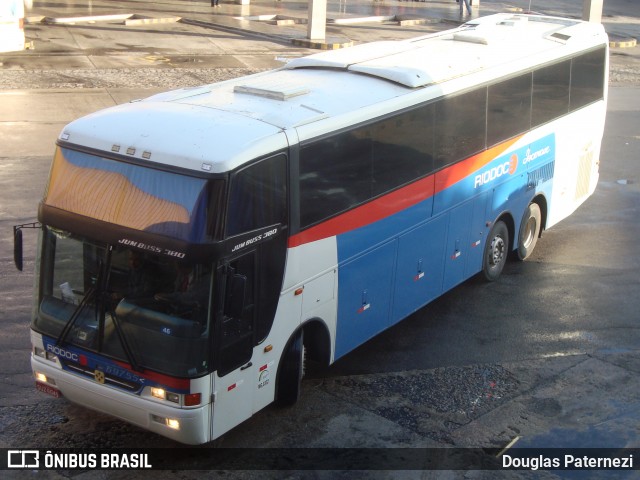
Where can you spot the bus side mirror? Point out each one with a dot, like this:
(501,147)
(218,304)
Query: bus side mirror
(235,296)
(17,247)
(17,242)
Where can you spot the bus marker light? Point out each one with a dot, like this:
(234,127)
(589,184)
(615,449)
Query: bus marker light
(192,399)
(268,348)
(298,291)
(172,397)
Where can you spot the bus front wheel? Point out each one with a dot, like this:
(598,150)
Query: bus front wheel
(496,251)
(290,372)
(529,231)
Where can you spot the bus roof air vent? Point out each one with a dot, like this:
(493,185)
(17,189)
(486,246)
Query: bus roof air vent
(561,37)
(273,90)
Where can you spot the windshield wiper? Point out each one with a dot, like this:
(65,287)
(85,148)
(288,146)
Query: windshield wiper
(123,341)
(103,282)
(74,316)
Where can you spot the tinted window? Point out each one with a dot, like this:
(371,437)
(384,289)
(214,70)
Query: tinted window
(402,149)
(348,169)
(587,78)
(258,196)
(550,92)
(236,332)
(351,168)
(509,109)
(335,174)
(460,126)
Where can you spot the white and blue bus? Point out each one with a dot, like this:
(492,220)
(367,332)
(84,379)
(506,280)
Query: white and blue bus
(197,244)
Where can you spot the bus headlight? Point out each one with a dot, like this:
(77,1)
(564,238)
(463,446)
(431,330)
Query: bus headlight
(39,352)
(188,400)
(158,393)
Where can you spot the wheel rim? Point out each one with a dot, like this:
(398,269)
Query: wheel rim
(498,250)
(530,231)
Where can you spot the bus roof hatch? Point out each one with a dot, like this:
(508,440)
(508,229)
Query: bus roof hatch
(272,90)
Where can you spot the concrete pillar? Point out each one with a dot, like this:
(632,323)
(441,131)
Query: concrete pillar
(592,10)
(317,26)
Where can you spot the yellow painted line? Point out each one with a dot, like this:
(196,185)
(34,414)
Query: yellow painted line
(623,43)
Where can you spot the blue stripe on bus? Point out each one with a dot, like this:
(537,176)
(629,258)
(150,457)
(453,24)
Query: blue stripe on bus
(392,267)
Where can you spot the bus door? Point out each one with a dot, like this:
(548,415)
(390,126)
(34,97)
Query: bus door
(234,334)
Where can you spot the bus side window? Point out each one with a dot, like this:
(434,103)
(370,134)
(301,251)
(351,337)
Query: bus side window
(509,109)
(402,149)
(460,126)
(587,78)
(258,196)
(550,93)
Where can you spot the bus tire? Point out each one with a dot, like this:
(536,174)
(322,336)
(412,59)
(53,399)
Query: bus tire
(529,231)
(290,372)
(496,251)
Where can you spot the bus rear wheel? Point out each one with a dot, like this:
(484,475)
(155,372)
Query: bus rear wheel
(529,231)
(496,251)
(290,372)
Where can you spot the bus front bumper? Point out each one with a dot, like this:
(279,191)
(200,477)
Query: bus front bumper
(190,426)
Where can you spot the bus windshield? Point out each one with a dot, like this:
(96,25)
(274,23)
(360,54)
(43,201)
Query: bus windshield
(149,311)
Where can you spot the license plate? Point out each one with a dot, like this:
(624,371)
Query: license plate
(43,387)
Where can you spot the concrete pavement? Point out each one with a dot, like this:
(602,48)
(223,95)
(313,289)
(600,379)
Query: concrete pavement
(111,36)
(285,20)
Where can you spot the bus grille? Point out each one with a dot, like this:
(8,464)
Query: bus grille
(540,175)
(108,379)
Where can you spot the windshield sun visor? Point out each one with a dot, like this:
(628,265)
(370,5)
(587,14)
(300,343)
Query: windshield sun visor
(129,195)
